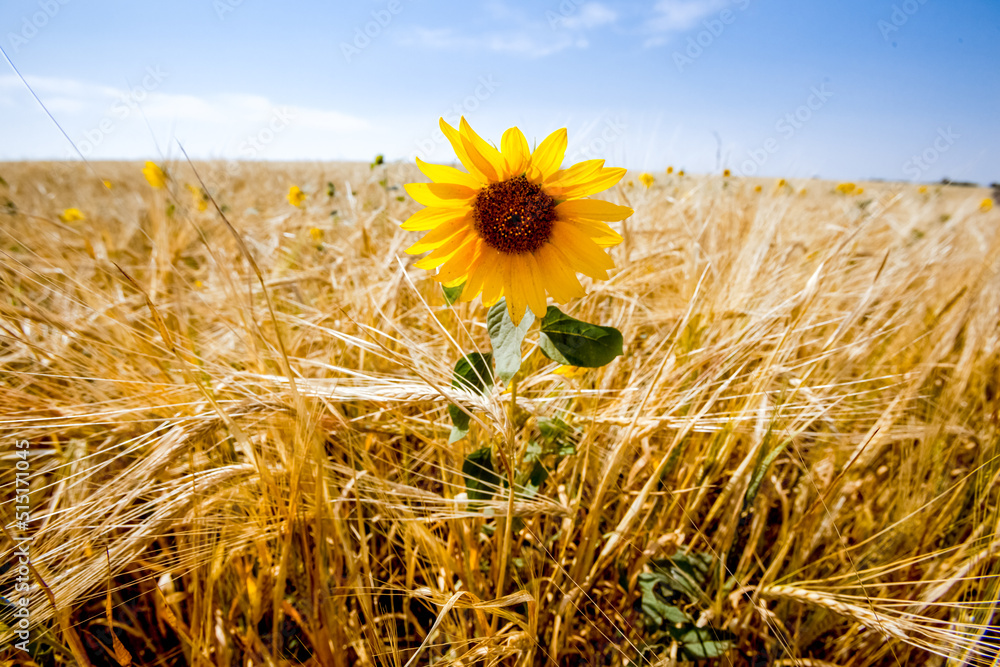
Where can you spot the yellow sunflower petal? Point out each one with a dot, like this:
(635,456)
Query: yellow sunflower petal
(588,258)
(444,195)
(431,217)
(477,273)
(486,158)
(560,279)
(602,181)
(445,252)
(549,154)
(599,232)
(455,139)
(493,284)
(581,171)
(513,271)
(440,234)
(516,153)
(440,173)
(592,209)
(457,268)
(534,285)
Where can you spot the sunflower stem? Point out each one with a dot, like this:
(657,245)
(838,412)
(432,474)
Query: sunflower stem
(508,465)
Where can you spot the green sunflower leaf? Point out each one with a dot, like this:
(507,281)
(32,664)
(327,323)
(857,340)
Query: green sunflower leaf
(452,294)
(569,341)
(473,372)
(704,643)
(459,423)
(481,480)
(506,339)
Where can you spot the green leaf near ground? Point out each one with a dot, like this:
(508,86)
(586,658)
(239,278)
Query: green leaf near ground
(704,643)
(671,583)
(557,438)
(571,342)
(481,480)
(506,339)
(655,603)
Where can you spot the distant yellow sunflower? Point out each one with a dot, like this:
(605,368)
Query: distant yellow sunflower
(71,215)
(515,224)
(154,175)
(296,197)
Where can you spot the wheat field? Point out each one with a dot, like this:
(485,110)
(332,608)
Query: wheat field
(236,426)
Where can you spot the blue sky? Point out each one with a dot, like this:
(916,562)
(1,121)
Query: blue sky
(901,89)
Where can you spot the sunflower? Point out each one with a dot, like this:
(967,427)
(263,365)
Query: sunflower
(154,175)
(515,224)
(71,215)
(296,197)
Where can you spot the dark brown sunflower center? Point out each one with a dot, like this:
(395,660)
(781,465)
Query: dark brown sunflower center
(514,216)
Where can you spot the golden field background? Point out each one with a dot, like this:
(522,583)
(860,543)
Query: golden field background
(242,432)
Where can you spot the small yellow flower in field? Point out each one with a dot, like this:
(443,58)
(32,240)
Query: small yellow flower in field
(646,179)
(316,234)
(757,188)
(802,192)
(71,215)
(198,284)
(295,196)
(515,224)
(680,173)
(670,170)
(922,189)
(156,177)
(107,184)
(726,173)
(782,182)
(986,205)
(200,197)
(859,191)
(570,372)
(846,188)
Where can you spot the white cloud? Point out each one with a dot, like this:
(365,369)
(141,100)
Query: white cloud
(534,35)
(589,16)
(673,16)
(107,122)
(332,121)
(521,43)
(83,98)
